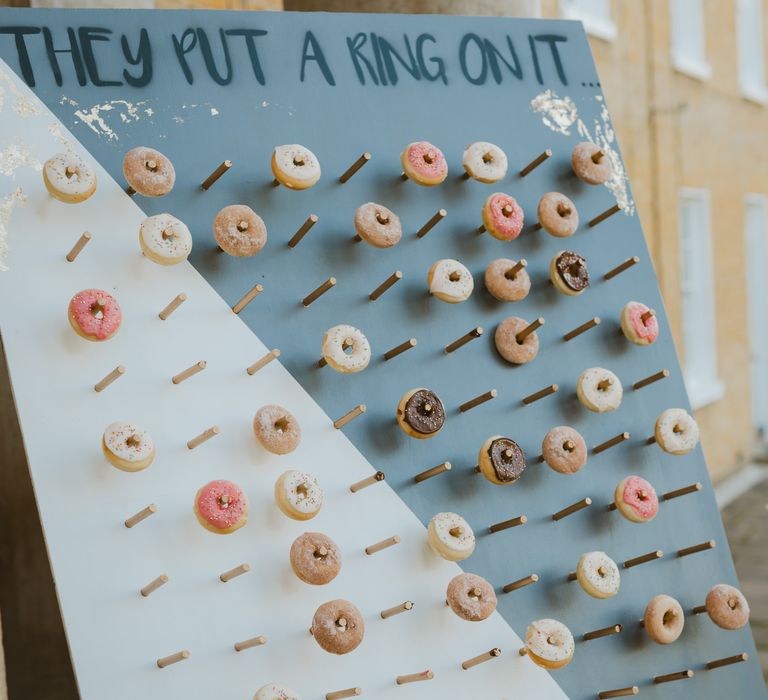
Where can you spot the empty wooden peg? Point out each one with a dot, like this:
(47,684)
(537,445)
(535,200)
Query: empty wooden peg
(603,632)
(434,471)
(619,692)
(583,328)
(530,328)
(263,362)
(396,610)
(349,416)
(436,219)
(368,481)
(352,169)
(506,524)
(520,583)
(472,403)
(415,677)
(693,488)
(389,542)
(571,509)
(250,643)
(612,442)
(81,243)
(346,693)
(517,267)
(459,342)
(174,304)
(216,174)
(153,585)
(173,658)
(602,217)
(643,558)
(317,293)
(640,383)
(396,276)
(727,661)
(116,373)
(249,296)
(213,431)
(679,676)
(535,396)
(482,658)
(398,349)
(190,371)
(704,546)
(233,573)
(303,230)
(536,162)
(629,262)
(143,514)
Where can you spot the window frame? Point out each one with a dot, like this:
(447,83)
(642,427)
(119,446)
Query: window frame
(595,25)
(693,66)
(753,90)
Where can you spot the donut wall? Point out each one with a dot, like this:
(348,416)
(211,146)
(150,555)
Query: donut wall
(165,608)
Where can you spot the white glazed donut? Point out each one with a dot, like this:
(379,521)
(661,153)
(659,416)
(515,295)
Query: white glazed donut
(295,166)
(450,281)
(598,575)
(127,446)
(346,349)
(68,178)
(298,495)
(485,162)
(549,643)
(599,390)
(275,691)
(164,239)
(676,431)
(451,537)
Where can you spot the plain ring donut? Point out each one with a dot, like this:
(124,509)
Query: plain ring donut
(599,390)
(471,597)
(148,172)
(68,178)
(315,558)
(590,163)
(564,450)
(727,607)
(276,429)
(503,284)
(239,231)
(377,225)
(663,619)
(338,627)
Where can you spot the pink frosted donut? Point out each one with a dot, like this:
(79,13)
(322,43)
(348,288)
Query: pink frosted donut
(94,314)
(504,287)
(424,163)
(634,328)
(221,507)
(636,499)
(502,217)
(727,607)
(148,171)
(239,231)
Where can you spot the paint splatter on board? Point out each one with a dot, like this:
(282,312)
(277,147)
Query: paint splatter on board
(22,105)
(99,116)
(7,205)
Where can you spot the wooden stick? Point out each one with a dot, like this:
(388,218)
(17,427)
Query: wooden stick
(679,676)
(472,403)
(536,162)
(233,573)
(130,191)
(535,227)
(506,524)
(693,488)
(396,276)
(434,471)
(619,692)
(348,693)
(369,481)
(520,583)
(651,556)
(173,658)
(352,169)
(459,342)
(727,661)
(263,362)
(650,380)
(629,262)
(303,230)
(709,544)
(403,607)
(699,609)
(187,373)
(573,508)
(394,352)
(602,217)
(597,156)
(651,440)
(349,416)
(436,219)
(415,677)
(530,328)
(152,586)
(250,643)
(517,267)
(213,431)
(616,440)
(317,293)
(475,660)
(647,316)
(116,373)
(603,632)
(81,243)
(546,391)
(583,328)
(216,174)
(389,542)
(249,296)
(174,304)
(143,514)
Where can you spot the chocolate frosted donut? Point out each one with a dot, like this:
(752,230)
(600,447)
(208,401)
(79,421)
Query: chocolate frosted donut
(569,274)
(338,627)
(501,460)
(420,413)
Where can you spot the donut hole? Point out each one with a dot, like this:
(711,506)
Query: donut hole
(487,157)
(168,234)
(298,161)
(474,594)
(429,157)
(569,446)
(320,553)
(341,623)
(563,210)
(223,501)
(668,618)
(302,490)
(456,531)
(454,276)
(97,308)
(151,165)
(597,156)
(677,429)
(282,425)
(72,173)
(604,384)
(507,210)
(133,441)
(383,219)
(242,225)
(348,346)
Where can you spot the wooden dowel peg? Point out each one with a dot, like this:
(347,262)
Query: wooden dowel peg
(459,342)
(602,217)
(603,632)
(436,219)
(397,350)
(250,643)
(571,577)
(517,267)
(275,182)
(352,169)
(317,293)
(699,609)
(415,677)
(597,156)
(693,488)
(368,481)
(234,573)
(520,583)
(130,191)
(434,471)
(143,514)
(530,328)
(347,693)
(303,230)
(573,508)
(396,610)
(216,174)
(651,556)
(629,262)
(612,442)
(647,316)
(389,542)
(349,416)
(536,162)
(174,304)
(173,658)
(535,227)
(152,586)
(679,676)
(619,692)
(263,362)
(249,296)
(546,391)
(81,243)
(482,658)
(472,403)
(116,373)
(651,440)
(506,524)
(522,651)
(396,276)
(650,380)
(583,328)
(704,546)
(190,371)
(727,661)
(213,431)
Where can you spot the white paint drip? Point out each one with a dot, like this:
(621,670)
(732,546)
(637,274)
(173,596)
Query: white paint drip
(17,156)
(7,205)
(22,105)
(97,116)
(214,112)
(559,114)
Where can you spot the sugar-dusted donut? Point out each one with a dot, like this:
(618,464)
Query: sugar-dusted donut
(338,627)
(471,597)
(450,281)
(564,450)
(502,216)
(663,619)
(590,164)
(420,413)
(503,285)
(315,558)
(484,162)
(424,163)
(508,346)
(598,575)
(568,272)
(557,215)
(164,239)
(377,225)
(346,349)
(68,178)
(450,536)
(298,495)
(221,506)
(549,643)
(276,429)
(295,166)
(127,446)
(599,390)
(634,328)
(239,231)
(275,691)
(94,314)
(727,607)
(501,460)
(636,499)
(148,171)
(676,431)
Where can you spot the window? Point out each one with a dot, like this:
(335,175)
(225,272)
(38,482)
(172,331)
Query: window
(698,298)
(749,26)
(686,28)
(595,14)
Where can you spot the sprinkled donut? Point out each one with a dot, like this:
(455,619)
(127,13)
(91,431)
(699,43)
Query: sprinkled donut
(275,691)
(221,507)
(727,607)
(590,164)
(94,314)
(424,163)
(148,172)
(503,285)
(568,272)
(295,166)
(599,390)
(636,499)
(502,217)
(338,627)
(549,643)
(450,536)
(127,446)
(420,413)
(276,429)
(663,619)
(377,225)
(501,460)
(239,231)
(634,328)
(484,162)
(557,215)
(68,178)
(346,349)
(598,575)
(164,239)
(315,558)
(676,431)
(298,495)
(450,281)
(509,347)
(564,450)
(471,597)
